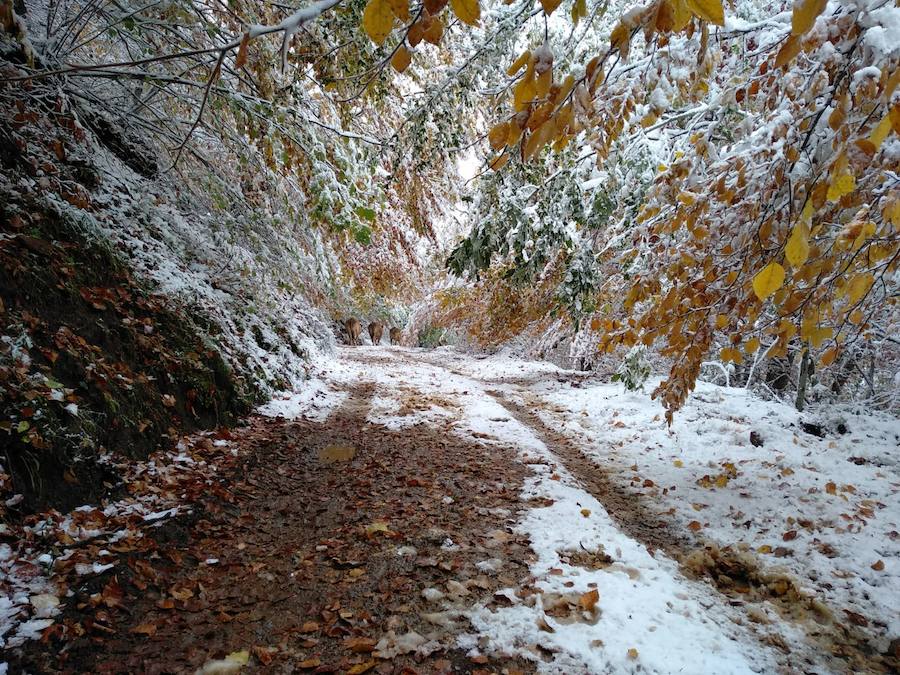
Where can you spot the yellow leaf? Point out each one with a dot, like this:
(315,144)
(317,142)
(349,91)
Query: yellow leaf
(619,35)
(468,11)
(788,51)
(632,653)
(858,287)
(401,59)
(579,10)
(797,248)
(768,280)
(839,186)
(400,9)
(678,463)
(805,14)
(808,209)
(765,548)
(242,657)
(498,134)
(550,5)
(881,132)
(377,526)
(829,356)
(500,161)
(378,20)
(585,512)
(752,345)
(681,15)
(708,10)
(519,63)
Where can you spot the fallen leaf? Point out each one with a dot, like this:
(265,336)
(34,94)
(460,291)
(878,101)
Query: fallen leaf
(632,653)
(360,644)
(695,526)
(878,566)
(585,512)
(790,535)
(589,600)
(147,628)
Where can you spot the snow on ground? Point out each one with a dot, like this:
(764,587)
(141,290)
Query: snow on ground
(315,401)
(648,617)
(826,510)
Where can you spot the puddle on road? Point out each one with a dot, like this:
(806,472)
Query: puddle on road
(336,453)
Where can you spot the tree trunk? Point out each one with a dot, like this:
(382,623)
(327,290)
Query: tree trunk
(804,378)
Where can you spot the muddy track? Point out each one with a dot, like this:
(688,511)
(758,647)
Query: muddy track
(317,559)
(737,575)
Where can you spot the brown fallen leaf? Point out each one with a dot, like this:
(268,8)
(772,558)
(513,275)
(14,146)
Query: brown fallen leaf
(147,628)
(878,566)
(544,625)
(695,526)
(361,668)
(309,627)
(589,600)
(309,664)
(265,654)
(360,644)
(789,535)
(632,653)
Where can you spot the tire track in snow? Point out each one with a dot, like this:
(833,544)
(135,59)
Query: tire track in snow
(832,645)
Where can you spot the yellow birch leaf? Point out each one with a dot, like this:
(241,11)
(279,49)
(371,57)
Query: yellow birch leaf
(401,59)
(797,248)
(378,20)
(805,14)
(829,356)
(768,280)
(752,345)
(498,134)
(788,51)
(708,10)
(881,132)
(579,10)
(519,63)
(839,186)
(619,35)
(858,287)
(807,213)
(550,5)
(400,9)
(681,15)
(500,161)
(468,11)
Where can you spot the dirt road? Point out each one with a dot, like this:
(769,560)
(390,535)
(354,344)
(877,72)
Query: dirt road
(402,521)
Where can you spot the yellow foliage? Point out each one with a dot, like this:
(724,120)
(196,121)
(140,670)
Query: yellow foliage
(805,14)
(797,248)
(768,280)
(708,10)
(468,11)
(378,20)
